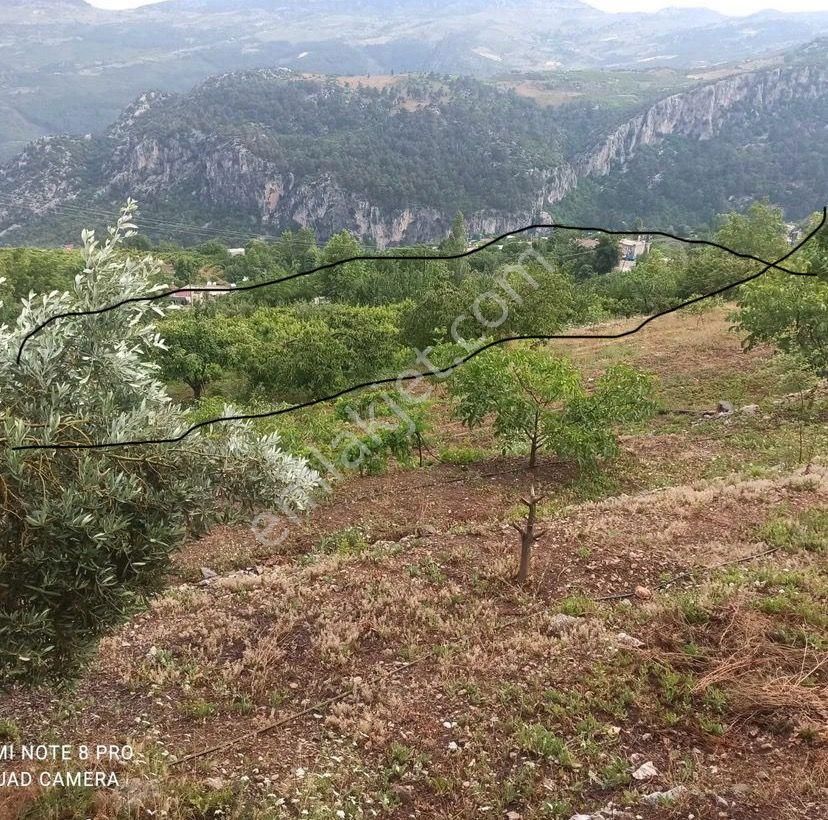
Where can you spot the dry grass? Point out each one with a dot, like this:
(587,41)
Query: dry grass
(486,659)
(413,678)
(692,346)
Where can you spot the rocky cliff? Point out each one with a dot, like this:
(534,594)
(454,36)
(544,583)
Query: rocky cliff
(212,178)
(698,114)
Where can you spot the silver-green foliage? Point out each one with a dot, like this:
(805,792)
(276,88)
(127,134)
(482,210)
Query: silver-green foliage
(85,535)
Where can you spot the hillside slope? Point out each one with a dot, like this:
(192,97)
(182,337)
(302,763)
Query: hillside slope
(392,161)
(383,663)
(715,149)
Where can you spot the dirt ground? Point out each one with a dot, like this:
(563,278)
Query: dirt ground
(667,659)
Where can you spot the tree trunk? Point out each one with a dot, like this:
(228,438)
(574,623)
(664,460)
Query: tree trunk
(525,559)
(533,450)
(528,536)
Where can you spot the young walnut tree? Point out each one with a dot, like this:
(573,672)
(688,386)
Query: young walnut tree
(528,534)
(539,402)
(85,535)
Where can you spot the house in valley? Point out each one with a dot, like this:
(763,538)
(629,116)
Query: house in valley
(631,250)
(191,295)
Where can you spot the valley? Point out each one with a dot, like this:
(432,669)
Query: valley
(392,159)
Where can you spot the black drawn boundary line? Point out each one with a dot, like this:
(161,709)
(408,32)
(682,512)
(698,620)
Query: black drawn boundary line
(396,258)
(436,372)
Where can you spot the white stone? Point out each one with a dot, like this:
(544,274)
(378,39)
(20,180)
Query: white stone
(645,771)
(664,797)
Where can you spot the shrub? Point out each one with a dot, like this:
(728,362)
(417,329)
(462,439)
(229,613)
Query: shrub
(384,425)
(350,541)
(86,535)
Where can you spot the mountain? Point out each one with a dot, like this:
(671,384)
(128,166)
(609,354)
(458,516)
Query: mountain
(260,151)
(744,137)
(393,158)
(23,9)
(67,67)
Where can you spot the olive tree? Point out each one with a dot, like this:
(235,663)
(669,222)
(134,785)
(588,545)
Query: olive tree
(86,534)
(539,401)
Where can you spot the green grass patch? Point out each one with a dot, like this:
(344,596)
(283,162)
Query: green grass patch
(796,606)
(615,773)
(199,709)
(770,378)
(61,802)
(9,731)
(349,541)
(462,455)
(428,569)
(577,605)
(692,611)
(536,739)
(806,531)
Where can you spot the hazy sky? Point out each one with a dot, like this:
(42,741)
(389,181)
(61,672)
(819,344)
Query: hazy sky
(724,6)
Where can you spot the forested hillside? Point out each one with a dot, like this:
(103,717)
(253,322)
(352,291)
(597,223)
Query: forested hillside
(392,159)
(683,182)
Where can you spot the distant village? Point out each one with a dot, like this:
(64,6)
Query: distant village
(193,294)
(631,250)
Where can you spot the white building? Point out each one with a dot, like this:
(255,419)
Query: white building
(193,294)
(631,250)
